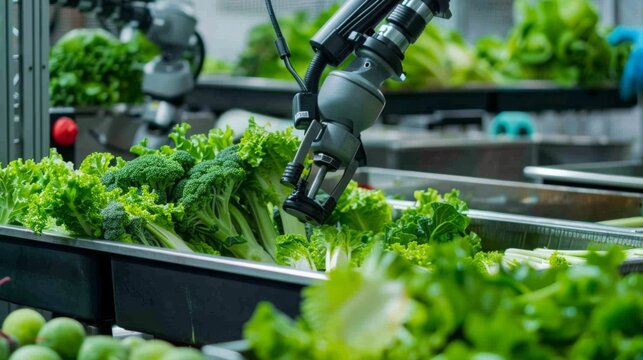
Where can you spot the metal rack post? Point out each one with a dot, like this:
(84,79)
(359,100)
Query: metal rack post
(24,79)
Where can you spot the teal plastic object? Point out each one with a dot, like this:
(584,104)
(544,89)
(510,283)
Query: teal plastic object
(512,125)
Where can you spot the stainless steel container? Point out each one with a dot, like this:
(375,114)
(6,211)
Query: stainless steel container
(201,299)
(555,202)
(622,175)
(477,155)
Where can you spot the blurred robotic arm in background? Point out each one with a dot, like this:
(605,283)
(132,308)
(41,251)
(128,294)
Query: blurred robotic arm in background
(168,78)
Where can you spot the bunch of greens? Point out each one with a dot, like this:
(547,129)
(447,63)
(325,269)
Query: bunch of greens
(442,58)
(260,57)
(391,309)
(208,195)
(214,66)
(90,67)
(547,258)
(201,194)
(363,221)
(558,40)
(439,58)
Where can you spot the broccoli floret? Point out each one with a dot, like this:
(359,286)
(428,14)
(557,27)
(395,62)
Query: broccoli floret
(362,209)
(294,250)
(184,159)
(159,172)
(212,212)
(137,217)
(115,221)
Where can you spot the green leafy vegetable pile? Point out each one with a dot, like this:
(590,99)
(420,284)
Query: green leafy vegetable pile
(393,310)
(202,194)
(557,40)
(260,57)
(442,58)
(208,195)
(205,194)
(90,67)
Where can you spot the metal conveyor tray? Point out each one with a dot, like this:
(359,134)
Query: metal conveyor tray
(205,299)
(617,175)
(555,202)
(53,273)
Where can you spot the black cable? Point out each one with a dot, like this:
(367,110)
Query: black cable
(282,46)
(315,71)
(199,55)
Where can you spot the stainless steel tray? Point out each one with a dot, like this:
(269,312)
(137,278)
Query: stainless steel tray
(620,175)
(54,274)
(204,299)
(477,155)
(499,232)
(178,296)
(556,202)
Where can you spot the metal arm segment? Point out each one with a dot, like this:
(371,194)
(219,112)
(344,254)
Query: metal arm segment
(350,101)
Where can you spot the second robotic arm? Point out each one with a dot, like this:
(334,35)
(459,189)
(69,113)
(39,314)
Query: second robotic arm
(168,77)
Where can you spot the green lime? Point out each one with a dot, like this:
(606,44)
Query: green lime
(151,350)
(132,342)
(24,325)
(183,353)
(34,352)
(101,348)
(63,335)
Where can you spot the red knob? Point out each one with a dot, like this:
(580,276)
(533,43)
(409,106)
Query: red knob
(64,131)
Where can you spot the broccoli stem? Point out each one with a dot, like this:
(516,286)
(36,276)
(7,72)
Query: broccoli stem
(250,248)
(168,238)
(87,229)
(263,220)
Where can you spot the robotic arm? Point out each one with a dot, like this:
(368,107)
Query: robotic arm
(350,100)
(168,77)
(171,25)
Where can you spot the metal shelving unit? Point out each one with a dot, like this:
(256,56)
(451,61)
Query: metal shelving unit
(24,79)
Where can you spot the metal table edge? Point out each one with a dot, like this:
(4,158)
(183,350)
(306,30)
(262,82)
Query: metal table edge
(583,177)
(206,262)
(372,170)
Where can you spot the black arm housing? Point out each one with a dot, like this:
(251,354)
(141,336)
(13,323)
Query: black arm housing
(360,16)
